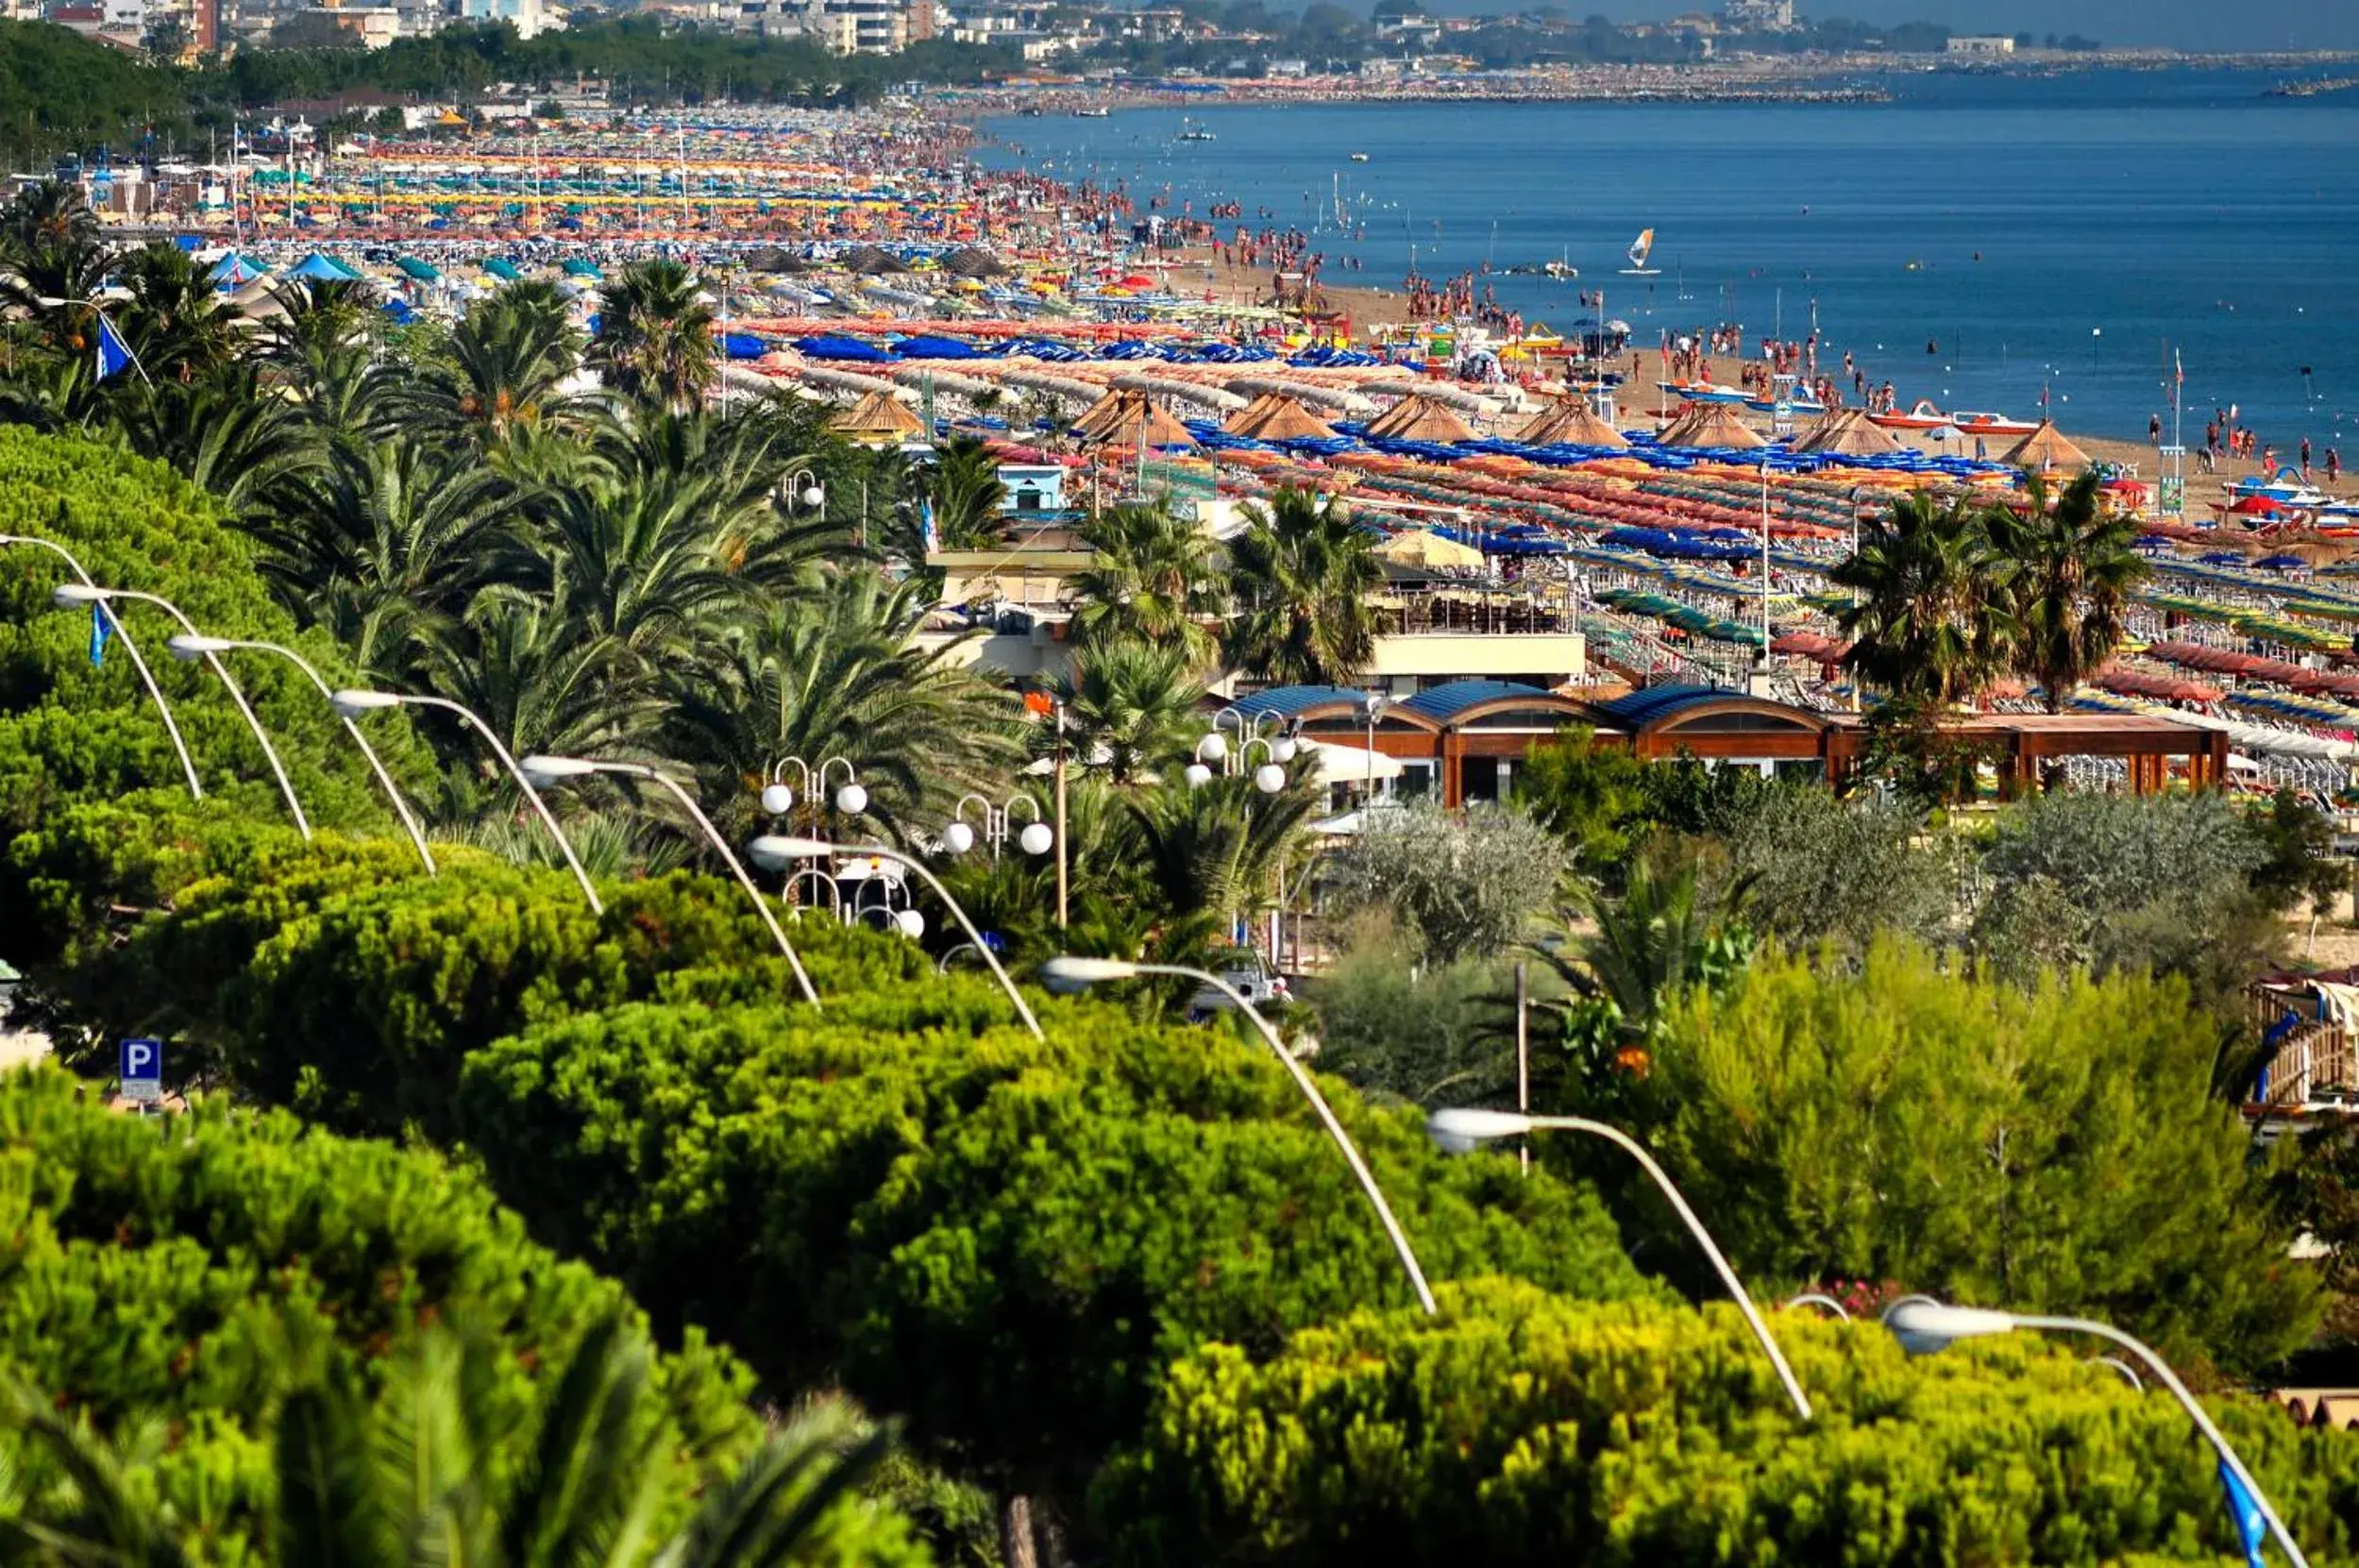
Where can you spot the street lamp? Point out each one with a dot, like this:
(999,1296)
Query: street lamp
(547,770)
(1037,838)
(1372,707)
(1070,974)
(352,702)
(1924,1325)
(777,799)
(813,495)
(779,852)
(1461,1131)
(147,679)
(77,595)
(197,645)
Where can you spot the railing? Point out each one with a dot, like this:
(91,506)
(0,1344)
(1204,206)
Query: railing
(1445,617)
(2308,1055)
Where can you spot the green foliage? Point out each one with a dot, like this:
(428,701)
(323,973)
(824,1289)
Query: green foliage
(197,1270)
(2298,843)
(2052,1149)
(1003,1239)
(1434,1036)
(1520,1428)
(1814,866)
(69,731)
(1302,572)
(1465,883)
(1596,798)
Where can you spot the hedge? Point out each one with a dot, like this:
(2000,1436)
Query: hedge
(193,1267)
(1520,1427)
(1001,1238)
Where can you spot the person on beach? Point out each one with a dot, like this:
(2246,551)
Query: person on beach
(2333,467)
(2154,428)
(2305,459)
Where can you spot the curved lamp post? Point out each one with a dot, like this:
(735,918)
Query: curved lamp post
(197,645)
(147,678)
(548,770)
(1460,1131)
(1072,974)
(352,702)
(958,836)
(1923,1325)
(779,852)
(74,595)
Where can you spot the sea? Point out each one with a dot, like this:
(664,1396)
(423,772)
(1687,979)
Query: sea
(1988,241)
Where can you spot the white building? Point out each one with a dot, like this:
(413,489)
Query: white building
(1982,46)
(528,17)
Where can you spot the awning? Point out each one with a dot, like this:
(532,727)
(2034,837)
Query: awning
(1349,764)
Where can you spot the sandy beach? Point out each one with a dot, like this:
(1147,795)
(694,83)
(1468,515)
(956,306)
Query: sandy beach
(1370,307)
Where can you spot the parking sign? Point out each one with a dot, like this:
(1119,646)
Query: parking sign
(142,1070)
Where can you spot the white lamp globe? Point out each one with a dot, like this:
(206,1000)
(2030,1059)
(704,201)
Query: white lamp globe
(1197,775)
(1213,747)
(1284,749)
(1036,839)
(910,923)
(1269,778)
(958,838)
(777,800)
(851,800)
(814,497)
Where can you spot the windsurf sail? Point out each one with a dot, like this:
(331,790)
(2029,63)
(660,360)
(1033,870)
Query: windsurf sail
(1641,246)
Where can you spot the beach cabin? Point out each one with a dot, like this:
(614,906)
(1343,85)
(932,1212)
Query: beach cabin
(1030,488)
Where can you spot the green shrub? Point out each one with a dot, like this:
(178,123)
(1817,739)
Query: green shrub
(1002,1239)
(2056,1148)
(195,1268)
(1520,1427)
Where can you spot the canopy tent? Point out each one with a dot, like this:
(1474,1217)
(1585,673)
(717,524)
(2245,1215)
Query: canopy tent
(578,268)
(234,270)
(316,268)
(879,415)
(506,271)
(425,272)
(2046,447)
(1570,422)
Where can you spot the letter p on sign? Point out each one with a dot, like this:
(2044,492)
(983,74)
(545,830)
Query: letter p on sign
(142,1070)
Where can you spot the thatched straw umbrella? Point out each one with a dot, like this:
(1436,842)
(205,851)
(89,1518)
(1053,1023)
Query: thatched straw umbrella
(2046,447)
(1570,422)
(1712,425)
(1418,417)
(878,416)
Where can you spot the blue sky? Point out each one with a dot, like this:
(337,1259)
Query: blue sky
(2182,23)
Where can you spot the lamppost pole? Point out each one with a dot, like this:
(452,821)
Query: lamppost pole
(187,647)
(354,702)
(1923,1325)
(777,851)
(552,770)
(72,595)
(1460,1131)
(147,677)
(1072,973)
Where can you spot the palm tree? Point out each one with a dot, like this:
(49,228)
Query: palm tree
(411,1478)
(49,248)
(1302,573)
(503,376)
(384,544)
(1927,623)
(1152,577)
(316,317)
(2066,574)
(966,491)
(542,677)
(1217,847)
(654,340)
(228,434)
(174,322)
(837,671)
(1130,707)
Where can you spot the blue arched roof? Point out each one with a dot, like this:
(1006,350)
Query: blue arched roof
(1288,702)
(1653,702)
(1443,703)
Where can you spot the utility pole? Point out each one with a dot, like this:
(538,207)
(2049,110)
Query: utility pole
(1060,818)
(1524,1056)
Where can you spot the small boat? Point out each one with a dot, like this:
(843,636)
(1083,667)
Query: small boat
(1798,403)
(1925,416)
(1707,392)
(1972,422)
(1360,158)
(1639,250)
(2285,487)
(1098,113)
(1190,132)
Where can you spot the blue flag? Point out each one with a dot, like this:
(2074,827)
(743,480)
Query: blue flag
(98,631)
(2251,1528)
(114,353)
(933,535)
